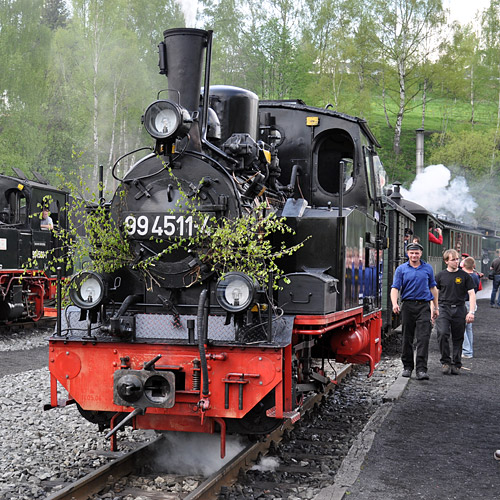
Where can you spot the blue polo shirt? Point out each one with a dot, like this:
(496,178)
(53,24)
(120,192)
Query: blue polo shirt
(414,283)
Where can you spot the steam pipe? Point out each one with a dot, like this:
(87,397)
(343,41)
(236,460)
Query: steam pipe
(293,177)
(101,185)
(206,93)
(202,330)
(59,301)
(420,150)
(270,308)
(114,322)
(130,300)
(341,188)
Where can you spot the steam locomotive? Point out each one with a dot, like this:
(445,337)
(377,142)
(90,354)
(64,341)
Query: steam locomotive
(27,286)
(194,348)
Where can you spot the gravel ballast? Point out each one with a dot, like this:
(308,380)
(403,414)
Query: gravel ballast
(41,451)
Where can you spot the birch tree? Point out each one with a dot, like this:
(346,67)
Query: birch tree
(405,25)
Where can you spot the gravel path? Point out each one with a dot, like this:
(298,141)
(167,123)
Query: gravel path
(40,450)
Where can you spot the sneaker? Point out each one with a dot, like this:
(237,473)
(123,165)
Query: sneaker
(492,305)
(455,370)
(422,376)
(496,455)
(467,356)
(406,373)
(445,369)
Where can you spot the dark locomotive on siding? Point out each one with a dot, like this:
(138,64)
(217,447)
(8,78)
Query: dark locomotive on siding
(27,287)
(195,351)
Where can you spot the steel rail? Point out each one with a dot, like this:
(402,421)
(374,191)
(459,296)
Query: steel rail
(227,475)
(96,480)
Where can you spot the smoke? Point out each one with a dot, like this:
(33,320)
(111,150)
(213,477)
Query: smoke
(189,8)
(437,192)
(269,464)
(194,453)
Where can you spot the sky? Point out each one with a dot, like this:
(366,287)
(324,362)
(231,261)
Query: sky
(464,11)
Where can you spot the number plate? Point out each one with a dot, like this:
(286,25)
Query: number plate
(164,225)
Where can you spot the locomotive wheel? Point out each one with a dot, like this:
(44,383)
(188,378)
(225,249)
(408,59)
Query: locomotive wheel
(256,421)
(101,418)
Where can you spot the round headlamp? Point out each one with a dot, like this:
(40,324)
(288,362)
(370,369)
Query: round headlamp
(235,292)
(164,119)
(86,290)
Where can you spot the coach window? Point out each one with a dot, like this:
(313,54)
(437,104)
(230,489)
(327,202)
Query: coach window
(333,151)
(17,207)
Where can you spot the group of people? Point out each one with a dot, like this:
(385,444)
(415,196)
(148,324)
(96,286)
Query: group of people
(447,299)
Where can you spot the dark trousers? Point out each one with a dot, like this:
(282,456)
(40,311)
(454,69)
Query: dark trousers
(416,323)
(494,290)
(451,323)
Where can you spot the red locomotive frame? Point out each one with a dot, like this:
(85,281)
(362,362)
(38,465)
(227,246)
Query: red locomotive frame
(239,377)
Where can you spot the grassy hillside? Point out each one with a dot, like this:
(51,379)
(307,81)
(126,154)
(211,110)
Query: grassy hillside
(442,115)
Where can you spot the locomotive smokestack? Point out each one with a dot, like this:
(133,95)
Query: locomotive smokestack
(181,60)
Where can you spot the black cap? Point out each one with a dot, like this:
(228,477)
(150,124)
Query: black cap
(408,231)
(415,246)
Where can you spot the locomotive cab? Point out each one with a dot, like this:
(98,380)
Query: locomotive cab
(27,285)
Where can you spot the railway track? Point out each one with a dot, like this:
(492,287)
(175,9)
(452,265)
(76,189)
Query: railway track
(133,462)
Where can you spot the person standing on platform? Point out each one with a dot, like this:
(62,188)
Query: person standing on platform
(414,280)
(468,267)
(495,269)
(454,285)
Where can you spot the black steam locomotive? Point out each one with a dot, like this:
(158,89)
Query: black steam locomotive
(27,286)
(193,347)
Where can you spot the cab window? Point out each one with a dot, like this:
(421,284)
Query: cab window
(334,151)
(16,207)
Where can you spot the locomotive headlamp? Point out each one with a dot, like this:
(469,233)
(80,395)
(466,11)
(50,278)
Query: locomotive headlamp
(86,290)
(164,119)
(236,292)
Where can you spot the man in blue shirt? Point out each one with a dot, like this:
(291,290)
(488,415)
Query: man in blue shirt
(415,281)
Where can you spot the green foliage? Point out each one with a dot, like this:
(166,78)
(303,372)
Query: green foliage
(472,151)
(79,74)
(93,241)
(246,244)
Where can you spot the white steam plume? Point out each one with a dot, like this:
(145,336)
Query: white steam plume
(194,453)
(433,190)
(267,464)
(189,8)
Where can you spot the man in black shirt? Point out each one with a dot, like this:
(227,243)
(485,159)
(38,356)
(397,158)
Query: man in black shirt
(454,285)
(495,270)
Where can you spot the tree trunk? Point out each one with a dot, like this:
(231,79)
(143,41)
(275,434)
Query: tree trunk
(472,94)
(96,97)
(495,140)
(385,105)
(401,110)
(113,125)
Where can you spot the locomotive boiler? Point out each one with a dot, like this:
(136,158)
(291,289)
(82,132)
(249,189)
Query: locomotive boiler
(192,347)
